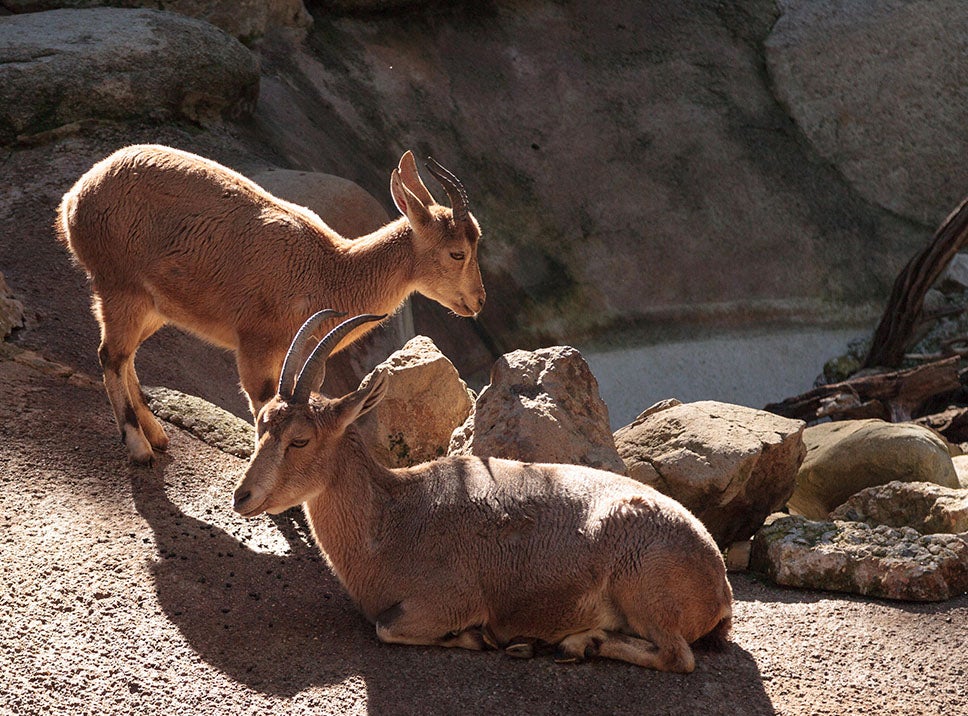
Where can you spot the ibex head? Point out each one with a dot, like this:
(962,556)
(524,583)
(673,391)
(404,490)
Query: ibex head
(447,239)
(297,434)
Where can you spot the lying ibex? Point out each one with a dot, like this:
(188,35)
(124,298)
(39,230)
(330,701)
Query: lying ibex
(167,236)
(477,552)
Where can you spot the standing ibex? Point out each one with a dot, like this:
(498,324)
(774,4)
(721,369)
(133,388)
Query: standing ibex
(476,552)
(168,236)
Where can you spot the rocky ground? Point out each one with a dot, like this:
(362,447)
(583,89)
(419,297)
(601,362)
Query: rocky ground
(135,590)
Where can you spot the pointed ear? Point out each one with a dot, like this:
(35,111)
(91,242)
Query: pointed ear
(408,203)
(411,179)
(357,404)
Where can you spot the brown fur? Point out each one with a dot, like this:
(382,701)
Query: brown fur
(476,552)
(170,237)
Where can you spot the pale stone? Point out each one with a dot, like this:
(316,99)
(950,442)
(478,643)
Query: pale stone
(729,465)
(860,559)
(845,457)
(425,401)
(961,469)
(540,406)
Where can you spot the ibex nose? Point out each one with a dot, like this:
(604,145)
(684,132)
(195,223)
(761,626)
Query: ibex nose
(480,301)
(241,497)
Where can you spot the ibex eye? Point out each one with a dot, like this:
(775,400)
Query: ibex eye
(457,255)
(299,443)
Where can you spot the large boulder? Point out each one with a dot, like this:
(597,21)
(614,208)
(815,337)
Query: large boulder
(926,507)
(425,402)
(244,19)
(731,466)
(342,204)
(540,406)
(857,558)
(877,88)
(845,457)
(66,66)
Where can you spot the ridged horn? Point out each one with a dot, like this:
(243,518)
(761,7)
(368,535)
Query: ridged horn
(314,371)
(455,190)
(289,366)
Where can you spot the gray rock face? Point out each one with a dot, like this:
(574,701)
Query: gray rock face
(67,66)
(857,558)
(245,19)
(845,457)
(878,89)
(926,507)
(623,175)
(425,402)
(540,406)
(731,466)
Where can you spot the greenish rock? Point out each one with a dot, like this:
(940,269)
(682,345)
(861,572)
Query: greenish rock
(209,423)
(857,558)
(846,457)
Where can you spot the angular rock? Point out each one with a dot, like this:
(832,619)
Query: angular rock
(11,310)
(845,457)
(425,401)
(540,406)
(856,558)
(857,77)
(926,507)
(66,66)
(731,466)
(961,469)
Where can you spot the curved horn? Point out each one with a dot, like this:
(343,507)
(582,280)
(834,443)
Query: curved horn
(289,365)
(314,371)
(455,190)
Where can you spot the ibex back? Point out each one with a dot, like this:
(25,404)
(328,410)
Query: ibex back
(170,237)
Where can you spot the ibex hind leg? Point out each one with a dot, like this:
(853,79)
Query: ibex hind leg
(124,319)
(672,656)
(151,426)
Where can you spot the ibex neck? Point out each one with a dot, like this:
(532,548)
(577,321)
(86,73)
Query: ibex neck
(345,515)
(381,267)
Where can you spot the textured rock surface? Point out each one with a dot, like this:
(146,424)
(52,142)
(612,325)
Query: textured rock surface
(629,163)
(209,423)
(67,66)
(878,89)
(11,310)
(245,19)
(926,507)
(857,558)
(961,469)
(425,401)
(729,465)
(845,457)
(540,406)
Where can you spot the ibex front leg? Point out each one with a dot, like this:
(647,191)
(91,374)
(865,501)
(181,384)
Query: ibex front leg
(410,623)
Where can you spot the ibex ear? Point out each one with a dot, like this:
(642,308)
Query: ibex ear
(408,203)
(411,179)
(353,406)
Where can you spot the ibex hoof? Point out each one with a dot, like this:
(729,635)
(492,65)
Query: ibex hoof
(520,648)
(563,656)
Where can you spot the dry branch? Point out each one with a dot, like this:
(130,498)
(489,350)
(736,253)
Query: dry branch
(894,396)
